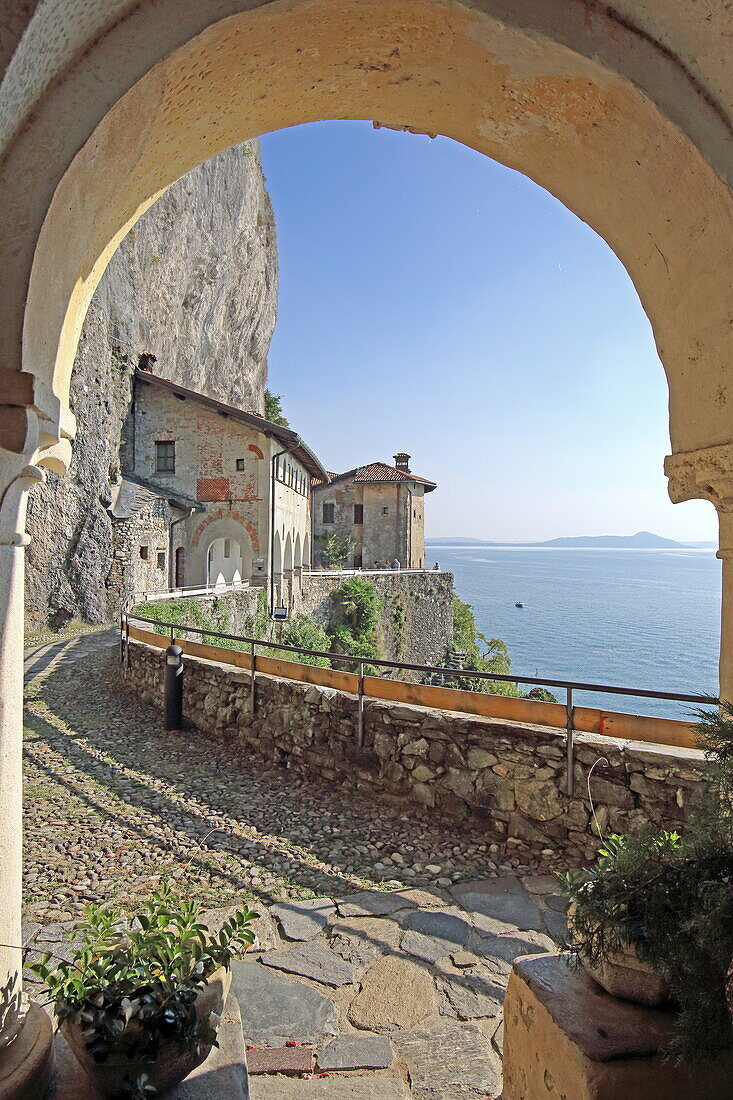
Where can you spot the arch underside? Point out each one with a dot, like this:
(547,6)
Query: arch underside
(581,130)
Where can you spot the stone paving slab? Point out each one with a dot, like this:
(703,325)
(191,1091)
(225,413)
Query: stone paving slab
(356,1052)
(453,1062)
(303,919)
(509,948)
(395,993)
(378,903)
(292,1060)
(276,1010)
(328,1088)
(360,940)
(315,961)
(469,996)
(433,934)
(511,907)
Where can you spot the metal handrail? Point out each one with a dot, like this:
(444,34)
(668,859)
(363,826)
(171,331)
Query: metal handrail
(575,685)
(569,686)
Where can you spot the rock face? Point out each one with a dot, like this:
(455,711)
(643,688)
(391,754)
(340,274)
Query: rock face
(195,283)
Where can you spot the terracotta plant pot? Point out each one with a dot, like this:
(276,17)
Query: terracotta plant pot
(624,974)
(172,1064)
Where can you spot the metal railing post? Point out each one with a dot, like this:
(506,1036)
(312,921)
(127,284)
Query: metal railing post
(570,754)
(252,679)
(360,728)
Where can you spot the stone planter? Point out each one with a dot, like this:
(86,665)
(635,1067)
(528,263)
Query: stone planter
(172,1064)
(624,974)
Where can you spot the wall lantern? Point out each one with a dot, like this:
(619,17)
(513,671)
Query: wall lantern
(280,613)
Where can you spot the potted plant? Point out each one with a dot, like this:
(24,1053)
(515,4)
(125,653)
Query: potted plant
(139,1004)
(653,919)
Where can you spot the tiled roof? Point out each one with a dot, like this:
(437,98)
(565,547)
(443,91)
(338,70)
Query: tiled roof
(381,472)
(287,436)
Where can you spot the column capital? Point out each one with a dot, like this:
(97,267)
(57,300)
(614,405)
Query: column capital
(13,498)
(706,474)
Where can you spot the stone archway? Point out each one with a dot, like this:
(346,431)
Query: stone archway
(625,115)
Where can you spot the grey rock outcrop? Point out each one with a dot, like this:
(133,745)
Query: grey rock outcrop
(194,282)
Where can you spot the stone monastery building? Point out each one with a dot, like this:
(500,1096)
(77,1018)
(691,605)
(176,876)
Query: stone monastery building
(209,494)
(380,507)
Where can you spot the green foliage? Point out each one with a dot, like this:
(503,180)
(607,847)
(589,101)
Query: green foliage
(355,617)
(273,410)
(337,550)
(671,899)
(133,989)
(302,631)
(213,616)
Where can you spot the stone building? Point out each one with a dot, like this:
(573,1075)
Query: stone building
(380,507)
(210,494)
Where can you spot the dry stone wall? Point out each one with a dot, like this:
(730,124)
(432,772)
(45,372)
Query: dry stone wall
(512,776)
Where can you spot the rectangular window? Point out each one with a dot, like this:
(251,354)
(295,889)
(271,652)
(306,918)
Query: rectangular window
(165,458)
(358,513)
(161,559)
(144,553)
(227,547)
(328,513)
(240,465)
(385,511)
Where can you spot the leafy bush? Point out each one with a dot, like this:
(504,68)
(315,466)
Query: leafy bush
(133,989)
(302,631)
(355,615)
(337,550)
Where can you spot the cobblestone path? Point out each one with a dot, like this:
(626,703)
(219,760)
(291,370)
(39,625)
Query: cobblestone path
(366,983)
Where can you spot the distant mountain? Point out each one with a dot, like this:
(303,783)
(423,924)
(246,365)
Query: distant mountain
(642,540)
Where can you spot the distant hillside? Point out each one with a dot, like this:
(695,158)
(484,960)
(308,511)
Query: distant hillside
(642,540)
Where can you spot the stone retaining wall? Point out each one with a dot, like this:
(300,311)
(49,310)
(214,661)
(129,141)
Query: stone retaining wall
(415,617)
(512,775)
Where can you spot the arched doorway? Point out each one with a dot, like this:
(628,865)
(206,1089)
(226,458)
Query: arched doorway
(224,562)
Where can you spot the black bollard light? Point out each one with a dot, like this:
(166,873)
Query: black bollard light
(173,703)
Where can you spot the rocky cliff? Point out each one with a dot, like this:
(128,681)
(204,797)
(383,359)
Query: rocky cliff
(194,282)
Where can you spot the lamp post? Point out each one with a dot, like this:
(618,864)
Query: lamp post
(173,706)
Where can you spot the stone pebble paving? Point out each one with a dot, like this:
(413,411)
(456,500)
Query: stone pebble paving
(386,937)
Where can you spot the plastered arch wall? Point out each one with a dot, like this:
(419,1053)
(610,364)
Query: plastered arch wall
(209,532)
(521,95)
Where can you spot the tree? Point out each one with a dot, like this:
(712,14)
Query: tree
(273,410)
(337,549)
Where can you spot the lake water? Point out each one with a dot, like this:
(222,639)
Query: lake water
(628,618)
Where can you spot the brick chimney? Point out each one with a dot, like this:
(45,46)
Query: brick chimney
(402,462)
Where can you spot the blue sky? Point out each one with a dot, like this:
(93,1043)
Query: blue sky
(434,301)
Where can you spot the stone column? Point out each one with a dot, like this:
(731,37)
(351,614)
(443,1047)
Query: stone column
(707,474)
(25,1033)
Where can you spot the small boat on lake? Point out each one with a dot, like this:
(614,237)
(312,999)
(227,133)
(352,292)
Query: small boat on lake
(518,604)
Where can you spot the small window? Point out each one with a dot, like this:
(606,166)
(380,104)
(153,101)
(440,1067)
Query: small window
(165,458)
(385,511)
(240,465)
(161,559)
(144,553)
(358,513)
(227,547)
(328,513)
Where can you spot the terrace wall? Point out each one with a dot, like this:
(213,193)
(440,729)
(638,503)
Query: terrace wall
(511,774)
